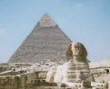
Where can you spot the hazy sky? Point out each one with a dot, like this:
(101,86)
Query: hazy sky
(86,21)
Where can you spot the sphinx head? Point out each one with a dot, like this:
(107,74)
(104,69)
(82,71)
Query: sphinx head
(76,50)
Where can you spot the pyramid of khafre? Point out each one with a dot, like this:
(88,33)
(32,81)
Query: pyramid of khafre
(45,43)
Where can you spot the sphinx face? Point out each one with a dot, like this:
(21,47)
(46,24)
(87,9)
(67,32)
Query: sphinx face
(76,50)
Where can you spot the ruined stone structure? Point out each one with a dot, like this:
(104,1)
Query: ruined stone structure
(77,67)
(45,43)
(76,70)
(44,48)
(30,76)
(101,70)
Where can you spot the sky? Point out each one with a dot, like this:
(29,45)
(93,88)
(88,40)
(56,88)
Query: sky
(86,21)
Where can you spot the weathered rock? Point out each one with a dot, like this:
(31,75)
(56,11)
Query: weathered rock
(45,43)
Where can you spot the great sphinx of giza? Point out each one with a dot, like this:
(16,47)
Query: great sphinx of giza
(75,70)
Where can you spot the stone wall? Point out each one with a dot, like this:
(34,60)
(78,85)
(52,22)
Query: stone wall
(101,74)
(27,81)
(36,79)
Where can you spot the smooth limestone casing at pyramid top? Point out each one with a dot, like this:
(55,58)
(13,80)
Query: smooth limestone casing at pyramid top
(45,43)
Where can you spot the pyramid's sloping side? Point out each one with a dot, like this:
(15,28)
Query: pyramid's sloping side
(43,44)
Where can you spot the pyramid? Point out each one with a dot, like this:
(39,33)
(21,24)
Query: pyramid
(45,43)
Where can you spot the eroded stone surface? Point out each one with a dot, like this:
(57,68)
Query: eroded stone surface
(45,43)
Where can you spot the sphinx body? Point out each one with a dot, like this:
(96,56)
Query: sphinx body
(75,70)
(72,72)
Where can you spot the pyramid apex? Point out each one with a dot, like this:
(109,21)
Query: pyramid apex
(46,14)
(45,42)
(46,21)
